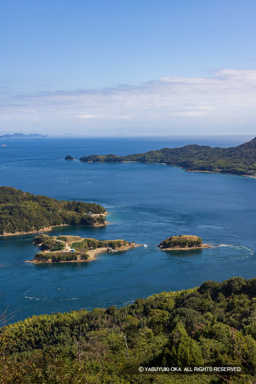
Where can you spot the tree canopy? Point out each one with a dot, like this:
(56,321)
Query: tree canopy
(210,326)
(24,212)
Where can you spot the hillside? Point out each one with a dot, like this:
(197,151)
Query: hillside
(23,212)
(212,326)
(240,160)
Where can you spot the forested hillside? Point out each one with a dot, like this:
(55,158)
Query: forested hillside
(23,212)
(210,326)
(240,160)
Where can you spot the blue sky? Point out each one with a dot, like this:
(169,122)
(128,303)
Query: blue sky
(111,67)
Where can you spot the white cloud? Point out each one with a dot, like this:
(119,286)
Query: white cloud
(87,117)
(223,99)
(102,117)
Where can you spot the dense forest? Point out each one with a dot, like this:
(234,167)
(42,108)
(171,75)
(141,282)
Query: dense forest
(23,212)
(213,326)
(240,160)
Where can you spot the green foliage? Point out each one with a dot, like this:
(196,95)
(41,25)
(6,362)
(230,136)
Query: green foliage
(93,244)
(40,239)
(88,244)
(181,329)
(61,238)
(56,257)
(182,241)
(182,351)
(78,248)
(240,160)
(115,244)
(84,256)
(51,244)
(23,212)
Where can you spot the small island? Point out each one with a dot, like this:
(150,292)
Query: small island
(69,158)
(183,243)
(63,249)
(22,213)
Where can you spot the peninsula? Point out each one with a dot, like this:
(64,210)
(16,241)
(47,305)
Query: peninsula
(240,160)
(183,243)
(63,249)
(22,212)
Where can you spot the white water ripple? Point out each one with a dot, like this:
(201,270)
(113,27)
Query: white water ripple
(238,247)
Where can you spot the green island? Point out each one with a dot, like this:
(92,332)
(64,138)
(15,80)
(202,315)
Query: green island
(182,242)
(63,249)
(211,327)
(240,160)
(22,212)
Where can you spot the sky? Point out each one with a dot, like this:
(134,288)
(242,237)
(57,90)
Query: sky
(128,68)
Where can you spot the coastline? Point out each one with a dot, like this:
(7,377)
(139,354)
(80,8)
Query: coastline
(219,173)
(92,255)
(178,166)
(203,246)
(48,229)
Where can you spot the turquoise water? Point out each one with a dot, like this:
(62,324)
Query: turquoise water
(147,203)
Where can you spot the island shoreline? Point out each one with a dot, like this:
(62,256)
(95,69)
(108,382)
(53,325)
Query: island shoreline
(48,229)
(176,166)
(92,255)
(204,246)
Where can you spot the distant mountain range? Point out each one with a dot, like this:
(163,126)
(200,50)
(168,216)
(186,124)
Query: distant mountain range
(240,160)
(21,135)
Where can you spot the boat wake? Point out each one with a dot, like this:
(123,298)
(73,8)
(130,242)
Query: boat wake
(35,298)
(32,298)
(238,247)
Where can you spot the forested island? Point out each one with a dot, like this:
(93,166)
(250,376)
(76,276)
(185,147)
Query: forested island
(212,328)
(69,158)
(63,249)
(240,160)
(22,212)
(182,242)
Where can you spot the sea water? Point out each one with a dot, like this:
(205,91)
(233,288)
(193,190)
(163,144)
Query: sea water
(147,203)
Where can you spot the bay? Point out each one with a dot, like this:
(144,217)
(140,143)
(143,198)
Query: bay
(147,203)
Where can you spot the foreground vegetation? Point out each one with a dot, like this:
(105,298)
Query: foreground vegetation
(22,212)
(210,326)
(240,160)
(74,248)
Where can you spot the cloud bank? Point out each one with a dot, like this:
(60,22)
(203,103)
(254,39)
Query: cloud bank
(223,102)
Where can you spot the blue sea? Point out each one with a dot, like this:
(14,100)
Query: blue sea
(147,203)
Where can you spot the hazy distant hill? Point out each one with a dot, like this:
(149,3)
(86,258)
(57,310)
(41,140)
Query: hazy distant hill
(21,135)
(240,160)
